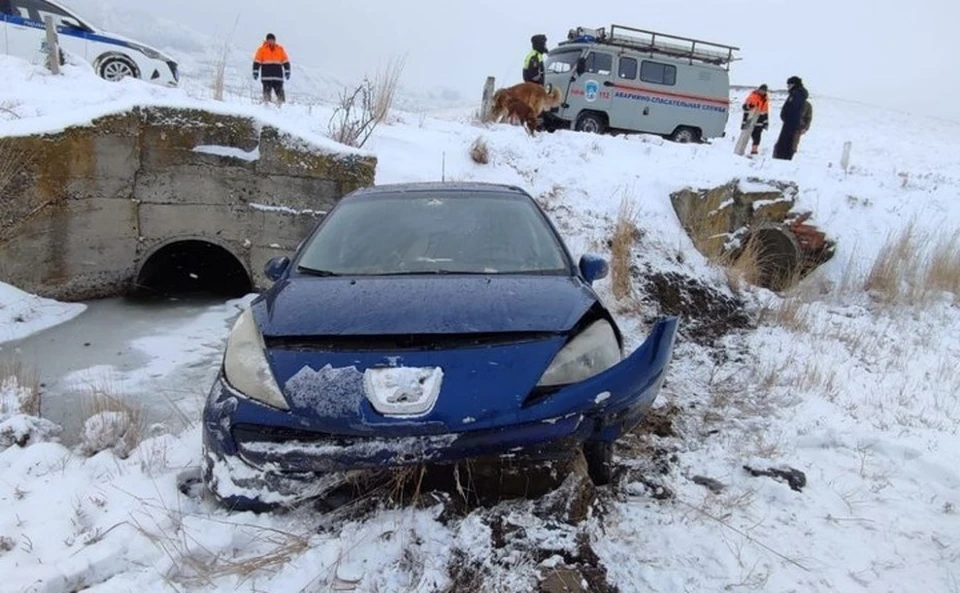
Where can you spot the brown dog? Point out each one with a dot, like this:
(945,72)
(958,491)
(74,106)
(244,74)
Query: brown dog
(533,95)
(517,109)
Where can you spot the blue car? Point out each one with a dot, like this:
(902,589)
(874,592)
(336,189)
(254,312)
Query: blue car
(425,323)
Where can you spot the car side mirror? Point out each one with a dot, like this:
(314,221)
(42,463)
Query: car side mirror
(70,23)
(593,267)
(581,66)
(275,267)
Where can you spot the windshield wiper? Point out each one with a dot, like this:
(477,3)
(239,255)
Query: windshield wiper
(437,272)
(313,272)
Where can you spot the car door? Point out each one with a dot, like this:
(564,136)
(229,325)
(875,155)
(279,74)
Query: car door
(5,12)
(630,110)
(592,90)
(24,33)
(666,108)
(71,33)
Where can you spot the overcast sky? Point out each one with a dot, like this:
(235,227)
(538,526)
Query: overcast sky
(895,53)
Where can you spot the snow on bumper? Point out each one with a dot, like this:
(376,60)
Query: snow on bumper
(251,447)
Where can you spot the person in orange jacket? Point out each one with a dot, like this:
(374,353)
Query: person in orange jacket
(758,100)
(272,66)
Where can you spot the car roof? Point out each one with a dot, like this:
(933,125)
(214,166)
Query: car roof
(471,189)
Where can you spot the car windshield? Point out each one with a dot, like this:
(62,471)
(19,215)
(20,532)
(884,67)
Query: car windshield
(562,61)
(431,234)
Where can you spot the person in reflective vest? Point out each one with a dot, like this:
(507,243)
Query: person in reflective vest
(759,101)
(533,63)
(272,66)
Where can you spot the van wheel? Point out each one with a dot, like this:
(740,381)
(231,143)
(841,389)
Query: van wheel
(114,69)
(591,123)
(684,135)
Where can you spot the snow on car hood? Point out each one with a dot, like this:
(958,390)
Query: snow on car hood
(309,306)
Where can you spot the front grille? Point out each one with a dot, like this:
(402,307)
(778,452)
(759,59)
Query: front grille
(250,433)
(419,342)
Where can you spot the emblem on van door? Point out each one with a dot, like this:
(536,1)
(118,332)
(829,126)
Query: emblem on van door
(591,89)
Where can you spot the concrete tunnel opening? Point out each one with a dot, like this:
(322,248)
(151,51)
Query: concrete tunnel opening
(192,268)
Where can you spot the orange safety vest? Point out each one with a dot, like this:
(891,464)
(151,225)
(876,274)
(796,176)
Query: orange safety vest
(271,63)
(757,101)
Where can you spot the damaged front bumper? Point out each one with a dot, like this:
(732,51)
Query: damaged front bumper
(257,456)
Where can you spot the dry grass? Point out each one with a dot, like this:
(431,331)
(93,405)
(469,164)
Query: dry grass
(790,313)
(11,163)
(479,151)
(110,423)
(361,110)
(912,268)
(942,272)
(15,374)
(625,234)
(220,66)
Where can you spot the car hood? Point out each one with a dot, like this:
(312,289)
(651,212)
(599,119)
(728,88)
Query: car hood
(310,306)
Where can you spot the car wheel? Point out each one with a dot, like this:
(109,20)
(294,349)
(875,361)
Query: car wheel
(599,456)
(114,69)
(591,123)
(685,135)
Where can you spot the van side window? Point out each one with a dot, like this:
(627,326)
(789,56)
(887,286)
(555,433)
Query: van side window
(658,73)
(598,63)
(628,68)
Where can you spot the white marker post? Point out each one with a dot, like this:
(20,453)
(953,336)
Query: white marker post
(845,157)
(486,103)
(746,131)
(53,46)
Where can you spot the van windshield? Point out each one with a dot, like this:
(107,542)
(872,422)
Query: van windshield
(562,61)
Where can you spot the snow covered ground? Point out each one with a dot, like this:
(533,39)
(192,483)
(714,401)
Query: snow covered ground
(859,394)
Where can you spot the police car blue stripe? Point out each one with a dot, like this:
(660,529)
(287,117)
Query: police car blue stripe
(18,20)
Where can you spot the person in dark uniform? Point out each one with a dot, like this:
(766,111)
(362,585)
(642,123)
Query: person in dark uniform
(791,114)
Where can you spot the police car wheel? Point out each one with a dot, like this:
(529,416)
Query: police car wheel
(591,123)
(114,69)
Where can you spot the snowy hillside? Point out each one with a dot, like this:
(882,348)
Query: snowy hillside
(200,56)
(851,382)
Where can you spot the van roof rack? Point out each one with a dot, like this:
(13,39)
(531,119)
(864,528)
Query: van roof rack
(655,42)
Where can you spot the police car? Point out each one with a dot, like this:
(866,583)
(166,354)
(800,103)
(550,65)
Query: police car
(113,57)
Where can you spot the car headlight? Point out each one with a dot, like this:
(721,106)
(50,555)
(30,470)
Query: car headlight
(593,351)
(147,51)
(245,364)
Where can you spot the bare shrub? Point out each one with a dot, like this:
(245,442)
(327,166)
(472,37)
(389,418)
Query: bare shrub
(220,65)
(8,108)
(625,233)
(111,424)
(19,390)
(479,151)
(360,111)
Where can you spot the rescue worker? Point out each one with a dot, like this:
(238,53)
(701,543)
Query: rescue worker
(272,66)
(805,122)
(791,114)
(533,63)
(757,100)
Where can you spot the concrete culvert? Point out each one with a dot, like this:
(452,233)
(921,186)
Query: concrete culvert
(776,255)
(192,268)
